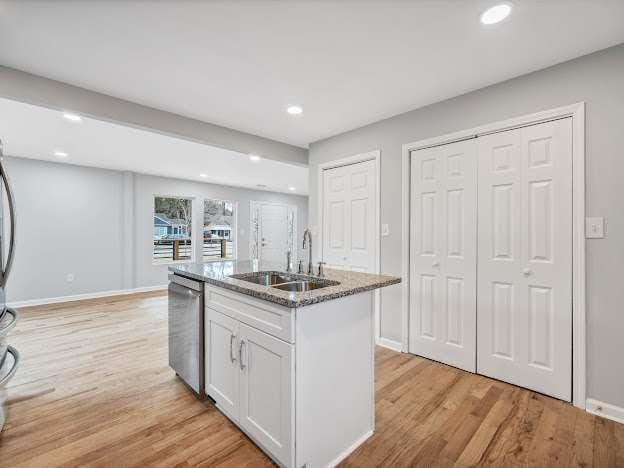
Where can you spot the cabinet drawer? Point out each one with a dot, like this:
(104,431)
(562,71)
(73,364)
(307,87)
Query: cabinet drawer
(274,320)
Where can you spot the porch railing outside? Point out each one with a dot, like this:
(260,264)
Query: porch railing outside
(167,250)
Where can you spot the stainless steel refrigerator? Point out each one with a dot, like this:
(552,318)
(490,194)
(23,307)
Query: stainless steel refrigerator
(9,357)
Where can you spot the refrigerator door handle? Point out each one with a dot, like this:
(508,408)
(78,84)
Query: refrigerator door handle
(6,269)
(11,324)
(16,360)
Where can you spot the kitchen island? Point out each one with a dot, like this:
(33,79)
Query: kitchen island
(289,358)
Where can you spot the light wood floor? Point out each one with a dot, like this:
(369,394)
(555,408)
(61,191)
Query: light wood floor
(95,390)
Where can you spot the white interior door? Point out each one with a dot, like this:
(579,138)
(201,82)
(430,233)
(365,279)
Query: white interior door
(349,216)
(524,271)
(221,361)
(443,254)
(276,225)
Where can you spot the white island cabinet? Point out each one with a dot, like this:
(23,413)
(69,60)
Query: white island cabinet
(298,381)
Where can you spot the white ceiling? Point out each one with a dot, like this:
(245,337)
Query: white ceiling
(36,132)
(348,63)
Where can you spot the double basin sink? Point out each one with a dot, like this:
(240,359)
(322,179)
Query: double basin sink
(286,281)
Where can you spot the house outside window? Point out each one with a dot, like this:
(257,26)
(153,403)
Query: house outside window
(172,234)
(219,234)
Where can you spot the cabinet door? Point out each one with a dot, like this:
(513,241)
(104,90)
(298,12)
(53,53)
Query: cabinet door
(266,391)
(222,366)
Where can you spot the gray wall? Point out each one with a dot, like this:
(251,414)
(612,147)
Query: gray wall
(597,79)
(33,89)
(97,224)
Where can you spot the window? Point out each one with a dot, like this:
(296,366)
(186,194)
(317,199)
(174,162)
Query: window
(219,230)
(172,230)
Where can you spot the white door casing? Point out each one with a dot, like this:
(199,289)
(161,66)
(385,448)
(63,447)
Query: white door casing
(349,216)
(221,361)
(273,231)
(443,254)
(524,272)
(266,390)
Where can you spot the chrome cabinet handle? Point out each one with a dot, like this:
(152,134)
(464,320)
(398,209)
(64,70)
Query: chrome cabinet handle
(435,264)
(6,269)
(232,355)
(11,324)
(16,360)
(527,272)
(240,354)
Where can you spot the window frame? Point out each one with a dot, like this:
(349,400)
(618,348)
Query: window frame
(234,230)
(193,236)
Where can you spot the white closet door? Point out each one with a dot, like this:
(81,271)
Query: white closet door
(349,217)
(524,270)
(443,254)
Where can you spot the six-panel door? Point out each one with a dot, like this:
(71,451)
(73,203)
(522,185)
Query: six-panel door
(348,214)
(266,391)
(524,271)
(443,254)
(222,366)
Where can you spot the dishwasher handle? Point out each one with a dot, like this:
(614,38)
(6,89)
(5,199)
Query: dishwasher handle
(186,282)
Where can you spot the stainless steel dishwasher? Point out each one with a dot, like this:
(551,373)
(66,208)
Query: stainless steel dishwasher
(186,330)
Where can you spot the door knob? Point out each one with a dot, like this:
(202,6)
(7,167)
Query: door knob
(527,272)
(435,263)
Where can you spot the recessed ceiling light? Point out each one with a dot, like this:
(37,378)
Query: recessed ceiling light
(292,189)
(294,110)
(60,154)
(254,157)
(203,176)
(496,14)
(72,117)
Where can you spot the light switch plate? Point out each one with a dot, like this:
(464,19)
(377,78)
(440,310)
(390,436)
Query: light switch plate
(385,230)
(594,228)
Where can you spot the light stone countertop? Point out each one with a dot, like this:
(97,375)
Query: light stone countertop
(219,274)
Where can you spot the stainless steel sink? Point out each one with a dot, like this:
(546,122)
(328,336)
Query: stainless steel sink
(286,281)
(300,286)
(266,279)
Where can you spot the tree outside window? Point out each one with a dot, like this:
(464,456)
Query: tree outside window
(172,235)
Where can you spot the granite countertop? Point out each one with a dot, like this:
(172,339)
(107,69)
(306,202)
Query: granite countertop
(219,274)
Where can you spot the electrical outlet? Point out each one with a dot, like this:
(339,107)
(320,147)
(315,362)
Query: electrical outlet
(70,277)
(594,228)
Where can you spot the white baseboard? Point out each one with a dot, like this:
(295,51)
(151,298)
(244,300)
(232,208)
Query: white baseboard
(82,297)
(606,410)
(390,344)
(350,449)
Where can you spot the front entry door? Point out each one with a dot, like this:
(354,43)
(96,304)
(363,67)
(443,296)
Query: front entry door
(443,254)
(349,216)
(273,231)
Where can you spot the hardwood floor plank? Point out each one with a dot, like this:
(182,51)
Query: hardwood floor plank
(95,390)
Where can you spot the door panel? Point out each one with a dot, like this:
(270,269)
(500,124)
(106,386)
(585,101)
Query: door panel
(525,257)
(348,215)
(222,371)
(267,379)
(273,232)
(443,254)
